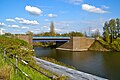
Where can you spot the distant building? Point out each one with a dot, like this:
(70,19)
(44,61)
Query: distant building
(2,32)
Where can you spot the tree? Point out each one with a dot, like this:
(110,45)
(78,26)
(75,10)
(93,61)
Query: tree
(112,26)
(106,33)
(111,30)
(85,34)
(73,34)
(29,33)
(8,34)
(118,27)
(107,36)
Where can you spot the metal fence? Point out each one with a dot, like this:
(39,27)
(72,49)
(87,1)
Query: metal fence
(24,62)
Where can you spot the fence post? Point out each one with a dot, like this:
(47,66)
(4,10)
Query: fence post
(4,55)
(16,64)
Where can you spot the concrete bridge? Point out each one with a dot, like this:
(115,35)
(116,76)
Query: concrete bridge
(58,40)
(63,43)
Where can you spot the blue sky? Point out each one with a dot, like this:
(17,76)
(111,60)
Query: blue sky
(20,16)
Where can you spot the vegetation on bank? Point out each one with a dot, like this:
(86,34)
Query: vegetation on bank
(8,71)
(111,35)
(23,50)
(57,62)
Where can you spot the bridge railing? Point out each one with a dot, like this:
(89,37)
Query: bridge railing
(49,37)
(15,65)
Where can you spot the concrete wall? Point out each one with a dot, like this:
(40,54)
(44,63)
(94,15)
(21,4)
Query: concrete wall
(82,43)
(61,70)
(26,38)
(67,45)
(77,44)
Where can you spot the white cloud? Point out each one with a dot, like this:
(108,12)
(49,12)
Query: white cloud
(3,29)
(76,2)
(93,9)
(34,22)
(20,19)
(13,26)
(94,30)
(52,15)
(64,23)
(36,29)
(27,22)
(17,26)
(105,7)
(58,30)
(46,19)
(2,24)
(23,27)
(45,26)
(33,10)
(10,20)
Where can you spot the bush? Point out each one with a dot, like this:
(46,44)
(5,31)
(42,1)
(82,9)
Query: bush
(116,44)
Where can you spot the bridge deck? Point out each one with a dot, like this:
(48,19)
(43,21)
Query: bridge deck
(50,39)
(36,37)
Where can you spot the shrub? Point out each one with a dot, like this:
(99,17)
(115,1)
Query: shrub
(116,44)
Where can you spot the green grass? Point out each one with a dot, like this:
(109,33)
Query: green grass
(8,72)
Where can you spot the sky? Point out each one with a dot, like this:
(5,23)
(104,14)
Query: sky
(20,16)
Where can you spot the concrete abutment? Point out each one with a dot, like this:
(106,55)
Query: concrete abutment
(77,44)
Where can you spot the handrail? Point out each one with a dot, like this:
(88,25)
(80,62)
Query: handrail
(19,69)
(26,63)
(5,58)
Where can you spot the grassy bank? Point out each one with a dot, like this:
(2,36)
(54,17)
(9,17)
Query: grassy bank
(23,50)
(8,71)
(57,62)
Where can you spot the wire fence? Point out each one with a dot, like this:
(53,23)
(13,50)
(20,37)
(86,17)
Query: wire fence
(24,62)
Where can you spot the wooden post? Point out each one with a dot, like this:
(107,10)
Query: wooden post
(4,55)
(16,64)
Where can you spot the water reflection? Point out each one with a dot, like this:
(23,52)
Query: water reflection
(104,64)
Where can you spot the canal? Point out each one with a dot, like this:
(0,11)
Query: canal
(103,64)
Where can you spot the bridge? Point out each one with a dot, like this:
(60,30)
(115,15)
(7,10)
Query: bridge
(50,39)
(62,43)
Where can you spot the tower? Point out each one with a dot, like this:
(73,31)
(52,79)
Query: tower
(52,30)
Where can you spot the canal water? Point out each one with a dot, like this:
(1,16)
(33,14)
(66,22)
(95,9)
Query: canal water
(103,64)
